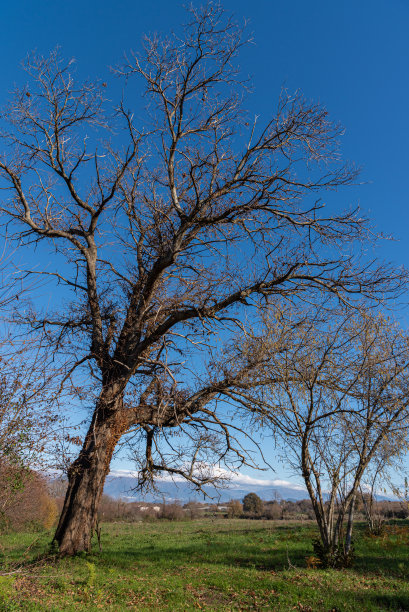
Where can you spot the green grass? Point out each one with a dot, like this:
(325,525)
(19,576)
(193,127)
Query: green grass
(208,565)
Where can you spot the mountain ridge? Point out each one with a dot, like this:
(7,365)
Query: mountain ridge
(121,486)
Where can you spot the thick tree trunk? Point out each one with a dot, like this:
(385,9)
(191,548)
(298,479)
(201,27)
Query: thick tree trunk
(87,474)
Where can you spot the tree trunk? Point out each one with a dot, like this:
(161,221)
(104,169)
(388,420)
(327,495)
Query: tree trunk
(86,476)
(348,537)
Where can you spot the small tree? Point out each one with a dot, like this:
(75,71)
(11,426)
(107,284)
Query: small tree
(338,390)
(27,411)
(234,509)
(252,504)
(28,405)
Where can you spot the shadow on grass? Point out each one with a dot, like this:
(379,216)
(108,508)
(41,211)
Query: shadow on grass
(376,601)
(387,554)
(263,548)
(258,548)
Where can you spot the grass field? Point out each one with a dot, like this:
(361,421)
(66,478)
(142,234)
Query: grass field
(206,565)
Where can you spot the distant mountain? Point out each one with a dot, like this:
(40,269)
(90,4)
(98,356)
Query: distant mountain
(123,486)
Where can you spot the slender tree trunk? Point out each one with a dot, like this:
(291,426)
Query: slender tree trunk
(338,526)
(322,523)
(348,537)
(368,510)
(87,474)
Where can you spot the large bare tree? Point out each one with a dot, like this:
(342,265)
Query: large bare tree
(166,233)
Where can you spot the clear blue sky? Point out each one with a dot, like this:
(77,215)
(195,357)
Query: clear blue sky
(351,55)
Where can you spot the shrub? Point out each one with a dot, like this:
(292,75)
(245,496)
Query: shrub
(252,504)
(234,509)
(24,500)
(193,510)
(334,557)
(272,511)
(172,512)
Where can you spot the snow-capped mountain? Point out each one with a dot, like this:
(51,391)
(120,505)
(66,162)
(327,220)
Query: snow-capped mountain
(122,483)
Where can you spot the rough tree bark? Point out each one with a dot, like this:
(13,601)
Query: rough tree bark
(86,476)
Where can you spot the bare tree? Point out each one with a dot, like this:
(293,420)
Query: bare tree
(341,404)
(29,421)
(386,465)
(166,235)
(27,407)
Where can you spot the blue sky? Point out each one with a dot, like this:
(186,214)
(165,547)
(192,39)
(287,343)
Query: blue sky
(352,56)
